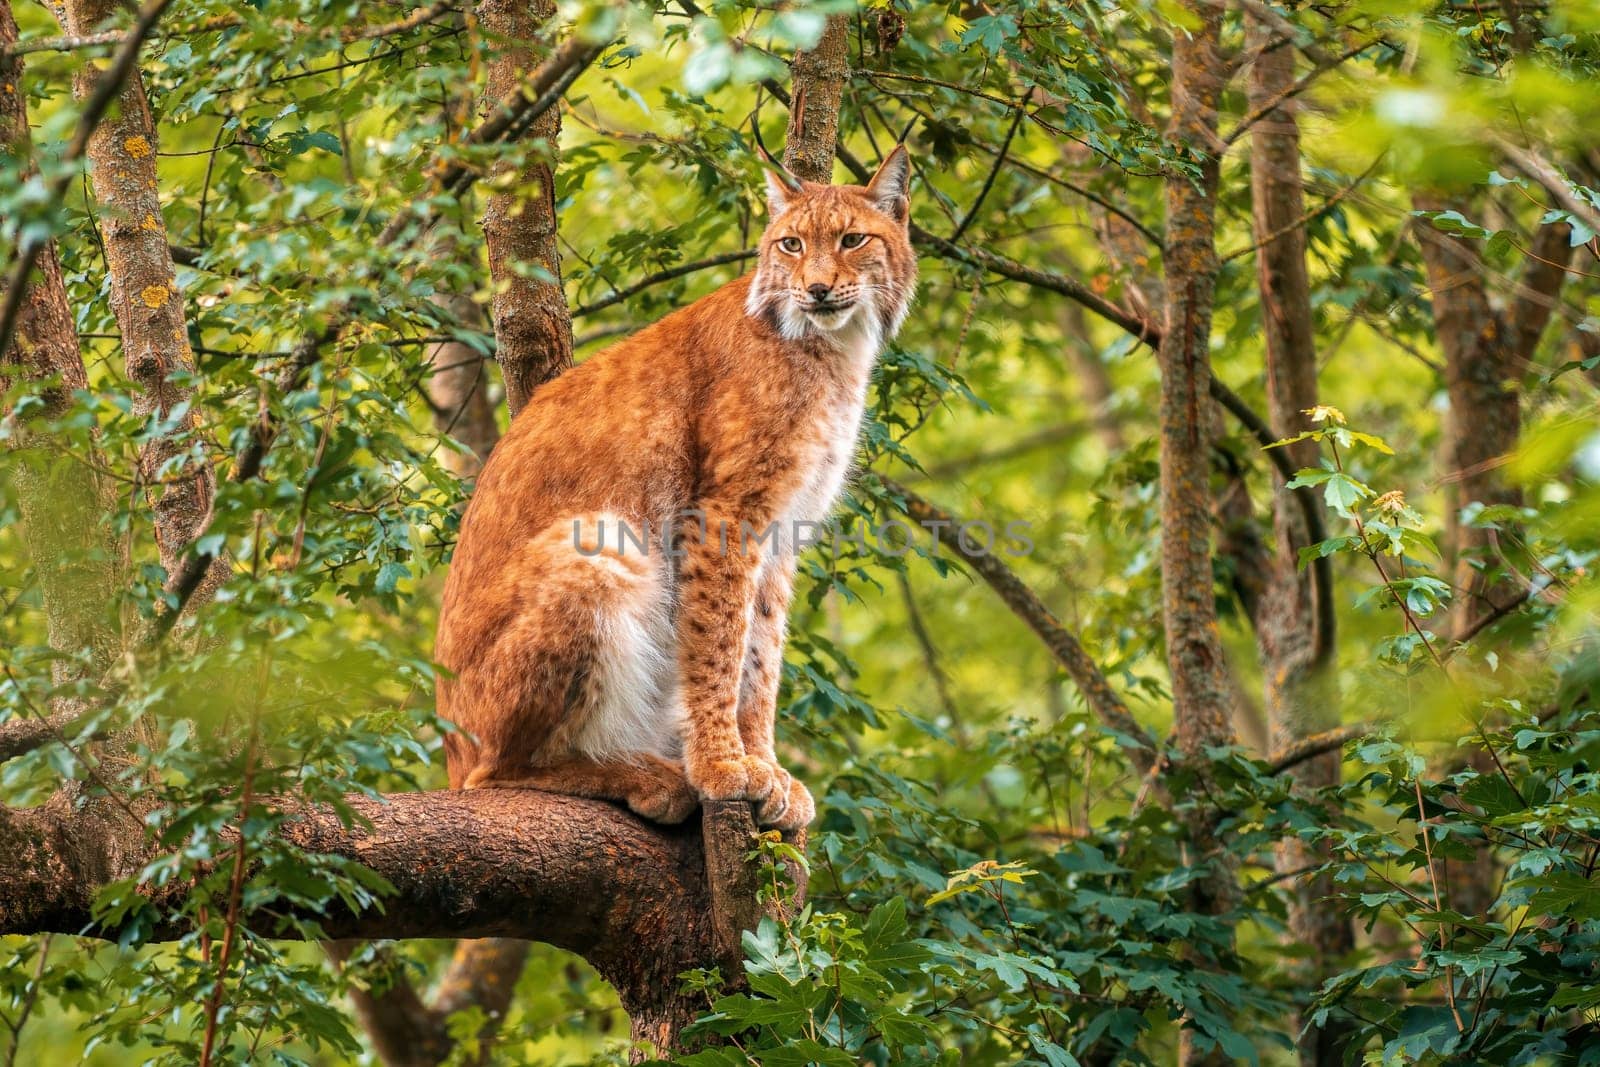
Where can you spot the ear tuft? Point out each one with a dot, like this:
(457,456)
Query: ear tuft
(781,185)
(887,189)
(777,196)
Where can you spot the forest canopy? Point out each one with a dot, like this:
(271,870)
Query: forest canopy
(1201,666)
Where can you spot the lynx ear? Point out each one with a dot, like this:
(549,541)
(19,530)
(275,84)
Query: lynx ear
(887,189)
(777,195)
(781,185)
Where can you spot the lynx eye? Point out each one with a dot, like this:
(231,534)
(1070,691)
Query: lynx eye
(852,240)
(791,245)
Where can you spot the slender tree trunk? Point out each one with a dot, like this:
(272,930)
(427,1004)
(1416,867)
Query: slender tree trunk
(1482,426)
(1300,695)
(532,329)
(1202,702)
(1486,352)
(62,503)
(819,76)
(148,306)
(458,392)
(1485,415)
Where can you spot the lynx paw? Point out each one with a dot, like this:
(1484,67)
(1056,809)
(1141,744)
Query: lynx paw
(665,799)
(799,811)
(745,778)
(772,809)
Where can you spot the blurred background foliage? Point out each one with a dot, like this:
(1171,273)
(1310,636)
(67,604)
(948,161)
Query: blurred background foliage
(992,881)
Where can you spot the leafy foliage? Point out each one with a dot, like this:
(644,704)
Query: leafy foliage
(991,883)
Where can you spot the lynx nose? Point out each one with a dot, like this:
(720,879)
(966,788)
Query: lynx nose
(818,291)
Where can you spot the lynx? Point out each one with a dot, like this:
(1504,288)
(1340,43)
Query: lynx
(614,618)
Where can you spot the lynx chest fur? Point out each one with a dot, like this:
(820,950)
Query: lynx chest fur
(582,660)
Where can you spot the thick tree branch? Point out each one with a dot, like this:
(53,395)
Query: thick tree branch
(632,898)
(479,863)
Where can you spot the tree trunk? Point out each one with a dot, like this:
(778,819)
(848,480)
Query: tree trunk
(1300,695)
(1200,691)
(458,392)
(1486,352)
(819,76)
(532,329)
(148,306)
(61,500)
(1485,416)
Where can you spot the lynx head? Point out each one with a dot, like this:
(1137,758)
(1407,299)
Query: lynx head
(836,260)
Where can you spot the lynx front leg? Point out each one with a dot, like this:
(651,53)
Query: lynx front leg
(718,588)
(789,806)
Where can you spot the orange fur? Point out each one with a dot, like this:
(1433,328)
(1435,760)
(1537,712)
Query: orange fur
(583,663)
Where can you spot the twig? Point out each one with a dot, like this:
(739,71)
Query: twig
(617,296)
(1318,744)
(1540,170)
(994,171)
(235,897)
(29,1000)
(1310,216)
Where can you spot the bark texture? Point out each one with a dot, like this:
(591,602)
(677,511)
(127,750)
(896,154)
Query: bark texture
(408,1031)
(147,304)
(819,76)
(61,500)
(1194,651)
(1200,691)
(532,329)
(1299,695)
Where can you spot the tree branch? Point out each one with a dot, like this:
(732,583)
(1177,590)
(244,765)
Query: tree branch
(1103,701)
(1539,288)
(617,296)
(1318,744)
(1544,172)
